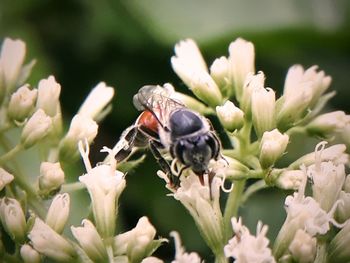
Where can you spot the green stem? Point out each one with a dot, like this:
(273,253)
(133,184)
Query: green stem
(72,187)
(220,258)
(10,154)
(257,186)
(232,205)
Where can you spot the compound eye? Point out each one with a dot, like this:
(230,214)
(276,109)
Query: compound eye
(184,122)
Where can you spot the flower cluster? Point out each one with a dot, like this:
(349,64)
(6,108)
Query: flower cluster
(35,215)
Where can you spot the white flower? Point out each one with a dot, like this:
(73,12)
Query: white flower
(96,101)
(5,178)
(220,72)
(36,128)
(343,209)
(252,82)
(303,247)
(327,124)
(152,260)
(12,219)
(245,248)
(29,255)
(180,255)
(58,213)
(272,146)
(189,65)
(48,96)
(49,243)
(263,110)
(11,61)
(51,177)
(202,202)
(22,103)
(105,184)
(90,241)
(241,61)
(230,116)
(338,249)
(290,179)
(138,242)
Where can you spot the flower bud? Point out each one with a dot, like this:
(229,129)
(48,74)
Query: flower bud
(90,241)
(49,243)
(11,61)
(272,146)
(36,128)
(338,250)
(5,178)
(12,218)
(230,116)
(241,61)
(346,186)
(153,260)
(96,101)
(58,213)
(303,247)
(22,103)
(29,255)
(343,209)
(263,110)
(81,128)
(252,82)
(48,96)
(51,178)
(289,179)
(327,124)
(219,71)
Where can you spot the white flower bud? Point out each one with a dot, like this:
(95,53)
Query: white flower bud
(230,116)
(58,213)
(11,61)
(48,96)
(49,243)
(96,101)
(290,179)
(180,255)
(105,185)
(51,178)
(29,255)
(272,146)
(22,103)
(153,260)
(36,128)
(252,82)
(81,128)
(327,124)
(343,209)
(90,241)
(303,247)
(242,61)
(263,110)
(219,71)
(5,178)
(12,218)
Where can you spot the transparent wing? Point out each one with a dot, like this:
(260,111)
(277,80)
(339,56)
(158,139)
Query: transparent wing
(157,100)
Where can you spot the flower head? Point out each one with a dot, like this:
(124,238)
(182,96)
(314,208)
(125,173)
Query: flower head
(51,178)
(22,103)
(230,116)
(181,256)
(303,247)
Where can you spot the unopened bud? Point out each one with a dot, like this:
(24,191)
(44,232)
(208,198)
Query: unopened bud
(5,178)
(338,250)
(303,247)
(289,179)
(29,254)
(58,213)
(22,103)
(37,127)
(51,178)
(343,208)
(220,72)
(230,116)
(48,96)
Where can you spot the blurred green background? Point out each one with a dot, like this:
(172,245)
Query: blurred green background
(129,43)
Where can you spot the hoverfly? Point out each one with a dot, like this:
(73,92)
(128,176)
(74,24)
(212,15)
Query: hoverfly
(167,125)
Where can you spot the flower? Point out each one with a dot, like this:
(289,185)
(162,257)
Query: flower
(272,146)
(263,110)
(12,219)
(22,103)
(289,179)
(230,116)
(241,62)
(137,243)
(29,255)
(96,101)
(220,72)
(245,248)
(36,128)
(58,213)
(339,246)
(328,124)
(11,61)
(48,96)
(51,178)
(5,178)
(343,209)
(252,82)
(347,184)
(303,247)
(49,243)
(90,241)
(181,256)
(104,184)
(190,66)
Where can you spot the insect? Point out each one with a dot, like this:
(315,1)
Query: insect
(166,125)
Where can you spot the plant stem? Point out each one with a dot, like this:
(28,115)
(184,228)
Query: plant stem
(72,187)
(232,205)
(257,186)
(10,154)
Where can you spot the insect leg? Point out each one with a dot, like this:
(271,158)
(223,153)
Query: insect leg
(164,165)
(126,143)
